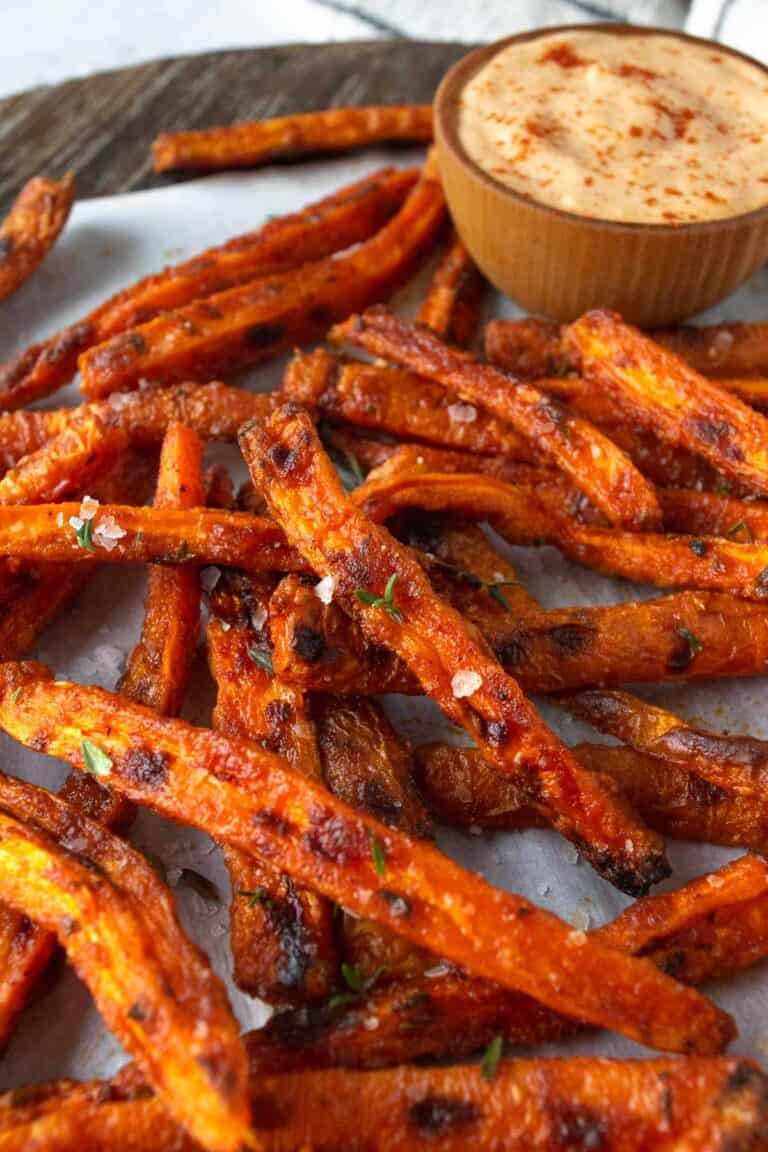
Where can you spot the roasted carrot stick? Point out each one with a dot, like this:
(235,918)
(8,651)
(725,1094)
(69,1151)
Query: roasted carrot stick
(158,668)
(117,923)
(661,393)
(66,464)
(250,798)
(733,762)
(245,325)
(463,789)
(282,936)
(736,354)
(527,1105)
(601,470)
(452,304)
(252,144)
(32,227)
(289,466)
(348,216)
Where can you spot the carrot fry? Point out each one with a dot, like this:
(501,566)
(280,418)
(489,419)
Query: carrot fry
(733,762)
(735,354)
(173,536)
(282,937)
(252,144)
(366,765)
(117,922)
(462,789)
(650,558)
(594,463)
(158,668)
(247,324)
(246,796)
(528,1105)
(396,401)
(289,466)
(348,216)
(661,393)
(31,228)
(66,464)
(452,305)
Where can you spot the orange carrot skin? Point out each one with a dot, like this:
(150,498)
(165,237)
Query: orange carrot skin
(348,216)
(282,936)
(251,144)
(248,797)
(452,304)
(32,227)
(247,324)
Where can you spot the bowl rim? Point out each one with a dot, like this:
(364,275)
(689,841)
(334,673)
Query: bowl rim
(446,129)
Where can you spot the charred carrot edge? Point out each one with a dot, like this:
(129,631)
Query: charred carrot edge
(119,929)
(348,216)
(32,227)
(666,561)
(595,464)
(461,788)
(247,797)
(158,668)
(282,936)
(368,766)
(256,320)
(288,465)
(252,144)
(452,304)
(526,1105)
(732,762)
(123,534)
(735,354)
(664,395)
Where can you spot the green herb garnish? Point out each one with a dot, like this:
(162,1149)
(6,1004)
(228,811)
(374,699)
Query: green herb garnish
(256,896)
(95,759)
(263,658)
(387,601)
(15,694)
(740,526)
(353,978)
(494,590)
(491,1058)
(84,534)
(353,464)
(379,856)
(692,641)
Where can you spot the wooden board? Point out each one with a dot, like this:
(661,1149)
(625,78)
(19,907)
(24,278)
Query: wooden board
(102,126)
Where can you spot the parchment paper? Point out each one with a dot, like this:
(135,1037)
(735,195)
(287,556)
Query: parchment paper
(111,242)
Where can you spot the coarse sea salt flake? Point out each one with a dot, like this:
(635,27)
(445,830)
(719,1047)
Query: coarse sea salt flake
(715,881)
(465,682)
(107,532)
(88,508)
(462,413)
(576,939)
(76,523)
(325,589)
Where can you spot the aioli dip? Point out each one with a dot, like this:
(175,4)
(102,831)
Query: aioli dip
(631,127)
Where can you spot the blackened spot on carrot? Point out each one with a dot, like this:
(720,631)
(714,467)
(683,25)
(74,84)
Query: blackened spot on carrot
(379,802)
(139,1011)
(136,341)
(262,335)
(208,310)
(673,964)
(39,741)
(25,927)
(515,651)
(744,1076)
(283,458)
(6,248)
(286,919)
(299,1028)
(278,712)
(681,656)
(698,547)
(570,639)
(496,732)
(322,317)
(308,644)
(220,1072)
(398,905)
(577,1128)
(437,1114)
(335,838)
(703,792)
(713,432)
(67,343)
(144,767)
(266,818)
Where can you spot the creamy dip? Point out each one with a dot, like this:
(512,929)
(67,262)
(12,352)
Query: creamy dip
(630,127)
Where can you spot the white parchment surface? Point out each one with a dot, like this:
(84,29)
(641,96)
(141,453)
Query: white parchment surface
(108,244)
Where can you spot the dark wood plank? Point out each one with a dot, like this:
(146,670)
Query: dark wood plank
(102,126)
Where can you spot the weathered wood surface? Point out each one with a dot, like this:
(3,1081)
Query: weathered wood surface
(102,126)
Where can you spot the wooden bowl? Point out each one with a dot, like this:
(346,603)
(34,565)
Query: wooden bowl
(559,264)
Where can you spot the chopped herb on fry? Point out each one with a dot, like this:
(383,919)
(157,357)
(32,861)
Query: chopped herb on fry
(256,896)
(387,601)
(740,526)
(491,1058)
(379,857)
(263,658)
(693,641)
(15,694)
(84,535)
(95,759)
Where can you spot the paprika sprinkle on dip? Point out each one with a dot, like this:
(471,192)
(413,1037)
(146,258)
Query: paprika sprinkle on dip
(628,127)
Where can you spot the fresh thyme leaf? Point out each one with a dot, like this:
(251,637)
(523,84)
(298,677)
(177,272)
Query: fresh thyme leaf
(692,641)
(387,601)
(95,759)
(722,487)
(740,526)
(84,535)
(352,977)
(494,590)
(256,896)
(204,887)
(491,1058)
(263,658)
(369,598)
(354,466)
(15,694)
(379,857)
